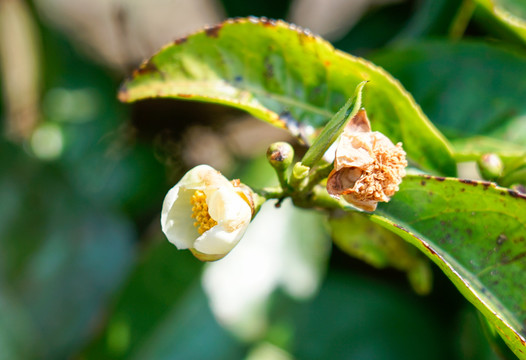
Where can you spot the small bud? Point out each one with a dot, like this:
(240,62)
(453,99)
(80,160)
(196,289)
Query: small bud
(299,174)
(490,166)
(300,171)
(280,155)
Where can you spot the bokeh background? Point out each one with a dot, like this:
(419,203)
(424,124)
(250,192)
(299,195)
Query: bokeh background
(85,272)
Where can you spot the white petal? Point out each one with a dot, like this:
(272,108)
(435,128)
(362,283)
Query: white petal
(176,220)
(219,240)
(228,208)
(202,177)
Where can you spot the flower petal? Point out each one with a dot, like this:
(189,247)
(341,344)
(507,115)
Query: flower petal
(219,240)
(176,220)
(202,177)
(228,208)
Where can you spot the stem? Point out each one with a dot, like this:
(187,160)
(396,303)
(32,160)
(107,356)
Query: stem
(318,198)
(318,175)
(271,192)
(283,180)
(461,20)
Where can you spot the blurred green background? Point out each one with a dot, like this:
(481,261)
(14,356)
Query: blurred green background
(85,272)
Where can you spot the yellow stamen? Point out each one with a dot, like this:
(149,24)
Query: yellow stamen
(200,212)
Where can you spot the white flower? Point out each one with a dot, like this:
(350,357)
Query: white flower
(206,213)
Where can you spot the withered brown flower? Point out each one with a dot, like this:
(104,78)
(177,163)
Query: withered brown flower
(368,167)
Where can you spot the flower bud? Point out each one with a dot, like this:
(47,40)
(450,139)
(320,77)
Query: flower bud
(490,166)
(206,213)
(280,155)
(368,167)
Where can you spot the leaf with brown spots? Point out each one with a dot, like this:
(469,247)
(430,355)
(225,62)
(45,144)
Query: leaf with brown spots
(290,78)
(474,231)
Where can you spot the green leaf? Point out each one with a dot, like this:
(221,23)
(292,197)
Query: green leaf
(509,13)
(334,128)
(189,331)
(476,233)
(465,88)
(288,77)
(359,317)
(355,234)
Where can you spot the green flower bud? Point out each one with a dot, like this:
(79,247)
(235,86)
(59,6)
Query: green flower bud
(490,166)
(280,155)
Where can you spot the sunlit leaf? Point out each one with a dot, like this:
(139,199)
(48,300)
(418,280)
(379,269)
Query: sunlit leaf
(289,77)
(476,233)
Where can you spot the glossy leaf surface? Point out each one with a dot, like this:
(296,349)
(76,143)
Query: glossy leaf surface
(288,77)
(476,233)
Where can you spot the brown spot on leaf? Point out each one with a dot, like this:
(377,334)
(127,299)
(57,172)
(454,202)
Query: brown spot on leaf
(439,178)
(516,194)
(267,22)
(213,31)
(123,93)
(180,40)
(468,182)
(501,239)
(269,69)
(145,68)
(423,183)
(516,257)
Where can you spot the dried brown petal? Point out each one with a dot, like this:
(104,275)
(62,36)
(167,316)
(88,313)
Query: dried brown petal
(368,167)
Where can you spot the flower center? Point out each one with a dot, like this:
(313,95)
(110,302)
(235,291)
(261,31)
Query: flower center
(200,212)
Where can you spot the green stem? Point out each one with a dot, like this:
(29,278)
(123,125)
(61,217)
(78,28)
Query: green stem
(271,192)
(318,175)
(317,198)
(461,20)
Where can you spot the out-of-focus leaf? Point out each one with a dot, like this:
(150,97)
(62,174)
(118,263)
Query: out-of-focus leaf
(431,18)
(152,292)
(369,31)
(471,338)
(355,234)
(464,88)
(355,317)
(60,257)
(16,329)
(476,233)
(471,148)
(513,156)
(288,77)
(189,331)
(510,13)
